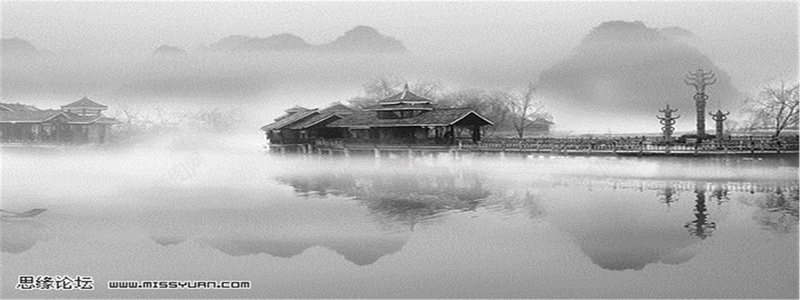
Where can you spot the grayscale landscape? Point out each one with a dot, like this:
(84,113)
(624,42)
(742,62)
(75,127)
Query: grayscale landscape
(399,149)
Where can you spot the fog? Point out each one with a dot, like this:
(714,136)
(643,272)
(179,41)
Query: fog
(80,178)
(155,210)
(105,50)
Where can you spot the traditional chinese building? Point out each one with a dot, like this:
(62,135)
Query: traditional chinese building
(404,118)
(79,122)
(409,118)
(301,125)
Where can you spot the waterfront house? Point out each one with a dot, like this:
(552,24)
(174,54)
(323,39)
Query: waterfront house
(407,118)
(300,125)
(79,122)
(404,118)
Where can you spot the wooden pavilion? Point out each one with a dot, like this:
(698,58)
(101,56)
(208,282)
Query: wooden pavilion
(406,118)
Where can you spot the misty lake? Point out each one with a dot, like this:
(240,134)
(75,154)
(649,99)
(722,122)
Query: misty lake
(432,227)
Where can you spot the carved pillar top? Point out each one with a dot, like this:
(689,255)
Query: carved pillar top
(700,79)
(719,115)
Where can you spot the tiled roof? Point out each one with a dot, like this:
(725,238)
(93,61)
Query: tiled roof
(84,102)
(38,116)
(76,119)
(331,111)
(291,111)
(29,116)
(439,117)
(295,109)
(338,107)
(316,119)
(401,106)
(16,107)
(405,96)
(289,120)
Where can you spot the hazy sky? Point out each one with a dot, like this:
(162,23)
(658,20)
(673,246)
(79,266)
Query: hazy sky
(427,28)
(735,32)
(752,41)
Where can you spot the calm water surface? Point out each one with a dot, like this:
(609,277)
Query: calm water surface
(519,227)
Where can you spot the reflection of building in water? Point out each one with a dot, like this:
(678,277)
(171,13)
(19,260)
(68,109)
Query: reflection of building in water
(667,195)
(778,211)
(700,227)
(361,251)
(516,200)
(720,193)
(397,196)
(676,186)
(20,236)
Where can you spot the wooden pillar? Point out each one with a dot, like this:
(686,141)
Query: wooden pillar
(283,150)
(452,134)
(346,152)
(377,152)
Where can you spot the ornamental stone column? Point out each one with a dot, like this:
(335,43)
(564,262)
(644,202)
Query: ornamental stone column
(700,79)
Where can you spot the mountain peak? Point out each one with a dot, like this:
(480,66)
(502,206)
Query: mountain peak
(18,45)
(365,39)
(168,50)
(623,31)
(362,30)
(628,65)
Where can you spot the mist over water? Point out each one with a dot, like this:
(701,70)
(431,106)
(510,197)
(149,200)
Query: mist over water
(441,226)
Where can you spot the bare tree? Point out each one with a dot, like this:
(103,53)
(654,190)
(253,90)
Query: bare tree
(774,107)
(490,104)
(524,110)
(140,125)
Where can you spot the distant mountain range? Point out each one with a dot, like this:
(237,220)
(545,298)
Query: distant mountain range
(618,66)
(628,66)
(361,39)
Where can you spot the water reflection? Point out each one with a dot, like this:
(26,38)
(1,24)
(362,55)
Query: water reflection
(619,241)
(720,193)
(21,235)
(778,210)
(361,252)
(168,240)
(701,226)
(668,195)
(397,197)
